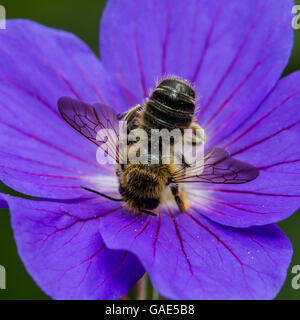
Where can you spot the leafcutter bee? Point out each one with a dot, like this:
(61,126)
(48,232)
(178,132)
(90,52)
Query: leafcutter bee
(143,186)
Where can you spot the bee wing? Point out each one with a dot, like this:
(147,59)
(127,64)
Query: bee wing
(89,120)
(217,167)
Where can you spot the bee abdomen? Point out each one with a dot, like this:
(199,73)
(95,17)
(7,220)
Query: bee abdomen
(171,105)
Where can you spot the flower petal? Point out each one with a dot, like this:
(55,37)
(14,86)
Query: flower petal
(229,49)
(41,155)
(66,255)
(190,257)
(3,203)
(269,140)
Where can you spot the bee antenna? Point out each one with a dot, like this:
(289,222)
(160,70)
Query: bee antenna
(101,194)
(148,212)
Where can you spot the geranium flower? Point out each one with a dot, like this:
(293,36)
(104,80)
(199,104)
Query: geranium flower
(3,203)
(79,246)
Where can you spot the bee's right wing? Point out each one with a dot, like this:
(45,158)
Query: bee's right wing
(89,120)
(217,167)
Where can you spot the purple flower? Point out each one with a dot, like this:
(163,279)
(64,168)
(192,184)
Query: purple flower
(79,246)
(3,203)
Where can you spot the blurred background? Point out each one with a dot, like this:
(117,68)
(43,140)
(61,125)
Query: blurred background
(82,18)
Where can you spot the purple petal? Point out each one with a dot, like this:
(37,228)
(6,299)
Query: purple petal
(66,255)
(3,203)
(190,257)
(269,141)
(229,49)
(40,154)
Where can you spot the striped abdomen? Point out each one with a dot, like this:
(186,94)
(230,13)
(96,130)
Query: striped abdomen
(171,106)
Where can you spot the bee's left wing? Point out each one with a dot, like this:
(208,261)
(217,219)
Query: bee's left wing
(217,167)
(89,120)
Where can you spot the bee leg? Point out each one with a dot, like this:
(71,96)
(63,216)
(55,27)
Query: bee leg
(199,135)
(185,164)
(101,194)
(148,212)
(179,202)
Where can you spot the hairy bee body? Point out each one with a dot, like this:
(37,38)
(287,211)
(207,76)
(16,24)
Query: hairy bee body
(171,106)
(141,186)
(145,184)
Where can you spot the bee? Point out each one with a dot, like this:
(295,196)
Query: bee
(143,186)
